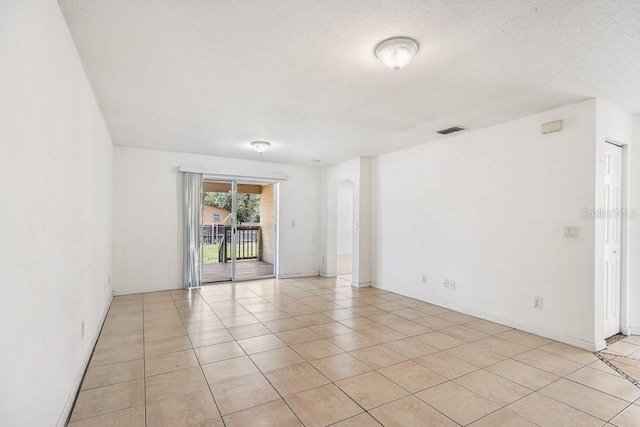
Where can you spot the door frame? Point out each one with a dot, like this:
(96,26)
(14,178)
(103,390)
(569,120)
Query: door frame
(619,230)
(234,181)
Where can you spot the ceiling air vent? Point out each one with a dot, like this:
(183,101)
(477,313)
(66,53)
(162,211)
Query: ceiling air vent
(451,130)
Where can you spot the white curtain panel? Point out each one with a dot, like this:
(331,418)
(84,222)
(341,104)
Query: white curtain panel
(192,214)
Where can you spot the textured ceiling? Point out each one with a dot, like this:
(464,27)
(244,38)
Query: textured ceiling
(210,76)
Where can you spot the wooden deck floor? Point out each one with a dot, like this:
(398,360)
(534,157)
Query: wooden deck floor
(247,269)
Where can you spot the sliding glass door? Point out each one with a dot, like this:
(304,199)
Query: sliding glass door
(239,231)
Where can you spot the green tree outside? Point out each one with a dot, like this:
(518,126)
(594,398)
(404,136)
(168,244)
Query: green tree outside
(248,204)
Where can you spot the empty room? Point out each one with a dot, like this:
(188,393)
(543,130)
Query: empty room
(320,213)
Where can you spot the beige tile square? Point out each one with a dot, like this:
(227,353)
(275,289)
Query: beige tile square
(410,314)
(170,362)
(100,376)
(434,323)
(623,347)
(275,413)
(116,355)
(276,359)
(463,333)
(586,399)
(487,327)
(382,334)
(218,352)
(229,370)
(183,410)
(112,341)
(130,417)
(351,341)
(548,362)
(523,374)
(458,403)
(630,417)
(476,355)
(385,318)
(171,384)
(607,383)
(378,356)
(102,400)
(404,412)
(568,352)
(547,412)
(359,323)
(249,331)
(164,333)
(243,393)
(313,319)
(210,325)
(238,320)
(524,338)
(150,297)
(340,366)
(297,336)
(456,317)
(493,387)
(281,325)
(412,376)
(446,365)
(156,348)
(502,418)
(409,328)
(341,314)
(330,329)
(316,349)
(296,378)
(362,420)
(371,389)
(411,348)
(502,346)
(439,340)
(337,406)
(261,343)
(205,338)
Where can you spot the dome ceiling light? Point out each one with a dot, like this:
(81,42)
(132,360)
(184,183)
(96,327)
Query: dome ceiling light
(397,52)
(260,146)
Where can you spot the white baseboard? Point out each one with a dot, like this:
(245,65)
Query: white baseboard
(576,342)
(144,290)
(66,412)
(298,275)
(328,275)
(632,330)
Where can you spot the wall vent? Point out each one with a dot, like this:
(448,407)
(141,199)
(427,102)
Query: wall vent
(452,129)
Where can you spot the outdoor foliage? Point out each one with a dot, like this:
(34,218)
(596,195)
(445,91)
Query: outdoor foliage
(248,204)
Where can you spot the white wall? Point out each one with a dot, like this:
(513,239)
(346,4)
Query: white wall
(147,215)
(487,209)
(344,210)
(633,230)
(612,124)
(357,172)
(55,254)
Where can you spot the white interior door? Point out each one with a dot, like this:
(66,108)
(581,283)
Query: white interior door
(613,209)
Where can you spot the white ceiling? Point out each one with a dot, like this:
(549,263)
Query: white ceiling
(210,76)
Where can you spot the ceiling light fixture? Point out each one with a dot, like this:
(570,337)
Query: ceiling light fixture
(260,146)
(397,52)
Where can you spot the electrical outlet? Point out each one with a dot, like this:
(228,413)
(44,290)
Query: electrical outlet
(424,278)
(82,329)
(452,284)
(446,283)
(537,303)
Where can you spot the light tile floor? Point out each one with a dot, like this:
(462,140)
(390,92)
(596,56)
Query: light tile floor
(317,352)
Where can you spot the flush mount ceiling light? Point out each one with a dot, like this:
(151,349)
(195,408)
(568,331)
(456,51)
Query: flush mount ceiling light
(260,146)
(397,52)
